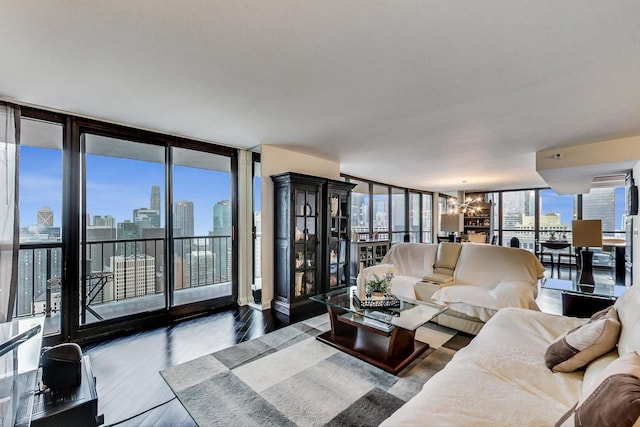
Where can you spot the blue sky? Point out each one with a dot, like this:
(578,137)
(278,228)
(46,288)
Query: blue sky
(564,206)
(116,186)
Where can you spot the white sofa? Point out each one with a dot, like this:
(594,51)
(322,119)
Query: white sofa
(501,379)
(473,280)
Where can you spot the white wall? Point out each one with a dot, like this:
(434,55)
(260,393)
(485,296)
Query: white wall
(636,237)
(274,160)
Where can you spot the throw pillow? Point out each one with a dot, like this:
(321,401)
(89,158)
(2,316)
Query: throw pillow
(583,344)
(614,401)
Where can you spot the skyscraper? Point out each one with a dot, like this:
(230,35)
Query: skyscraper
(146,218)
(600,203)
(183,218)
(45,216)
(155,198)
(222,218)
(133,276)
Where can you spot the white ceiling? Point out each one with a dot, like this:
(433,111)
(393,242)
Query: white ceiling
(424,94)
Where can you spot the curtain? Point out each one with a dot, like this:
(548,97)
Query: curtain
(9,219)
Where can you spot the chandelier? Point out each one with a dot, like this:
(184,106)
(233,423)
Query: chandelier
(469,205)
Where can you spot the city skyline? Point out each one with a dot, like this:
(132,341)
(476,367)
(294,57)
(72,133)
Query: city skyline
(112,179)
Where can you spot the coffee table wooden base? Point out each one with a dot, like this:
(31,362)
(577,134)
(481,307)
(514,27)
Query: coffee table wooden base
(391,351)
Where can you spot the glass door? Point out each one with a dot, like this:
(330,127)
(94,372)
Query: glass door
(123,228)
(306,242)
(203,228)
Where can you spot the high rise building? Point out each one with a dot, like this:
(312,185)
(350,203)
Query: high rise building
(133,276)
(45,216)
(109,221)
(146,218)
(198,266)
(128,230)
(183,218)
(34,269)
(600,203)
(222,218)
(155,198)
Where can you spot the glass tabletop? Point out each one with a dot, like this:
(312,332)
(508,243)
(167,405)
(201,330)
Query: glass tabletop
(406,313)
(599,290)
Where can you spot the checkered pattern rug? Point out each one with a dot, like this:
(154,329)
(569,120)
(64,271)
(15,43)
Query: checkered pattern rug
(289,378)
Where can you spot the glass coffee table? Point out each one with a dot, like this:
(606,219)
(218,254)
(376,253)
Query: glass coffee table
(384,337)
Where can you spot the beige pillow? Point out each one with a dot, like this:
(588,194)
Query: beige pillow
(613,401)
(583,344)
(447,258)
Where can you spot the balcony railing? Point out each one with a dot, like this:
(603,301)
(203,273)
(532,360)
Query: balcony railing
(121,276)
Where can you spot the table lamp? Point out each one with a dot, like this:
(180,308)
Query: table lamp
(587,233)
(453,223)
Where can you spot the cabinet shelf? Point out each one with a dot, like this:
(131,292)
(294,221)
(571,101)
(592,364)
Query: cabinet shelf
(481,221)
(365,254)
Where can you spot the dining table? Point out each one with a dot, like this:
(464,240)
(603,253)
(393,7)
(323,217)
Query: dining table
(555,245)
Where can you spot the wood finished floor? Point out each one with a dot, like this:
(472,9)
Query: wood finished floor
(131,391)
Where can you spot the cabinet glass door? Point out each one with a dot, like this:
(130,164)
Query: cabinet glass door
(338,239)
(306,243)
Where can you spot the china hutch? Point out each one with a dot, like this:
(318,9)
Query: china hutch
(312,237)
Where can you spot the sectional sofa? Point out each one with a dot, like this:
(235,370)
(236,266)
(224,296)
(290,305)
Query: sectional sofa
(473,280)
(531,368)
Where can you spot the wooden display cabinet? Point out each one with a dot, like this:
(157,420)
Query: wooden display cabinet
(311,239)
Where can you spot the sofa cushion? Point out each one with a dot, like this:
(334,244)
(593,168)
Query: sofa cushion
(584,343)
(628,307)
(486,265)
(445,279)
(483,303)
(446,258)
(594,370)
(613,401)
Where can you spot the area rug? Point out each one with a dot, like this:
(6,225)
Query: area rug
(288,378)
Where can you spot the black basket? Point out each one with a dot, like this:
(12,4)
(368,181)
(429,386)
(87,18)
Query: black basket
(388,302)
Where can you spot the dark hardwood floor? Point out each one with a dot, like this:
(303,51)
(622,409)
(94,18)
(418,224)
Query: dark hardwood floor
(131,391)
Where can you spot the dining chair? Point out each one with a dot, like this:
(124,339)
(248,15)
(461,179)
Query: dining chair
(571,255)
(540,252)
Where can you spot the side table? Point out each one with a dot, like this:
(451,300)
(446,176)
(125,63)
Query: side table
(584,300)
(78,407)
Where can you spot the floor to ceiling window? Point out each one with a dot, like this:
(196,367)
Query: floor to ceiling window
(556,214)
(40,284)
(202,226)
(518,218)
(414,217)
(427,218)
(398,214)
(123,226)
(380,211)
(360,208)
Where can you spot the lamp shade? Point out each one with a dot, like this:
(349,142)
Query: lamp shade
(451,222)
(587,233)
